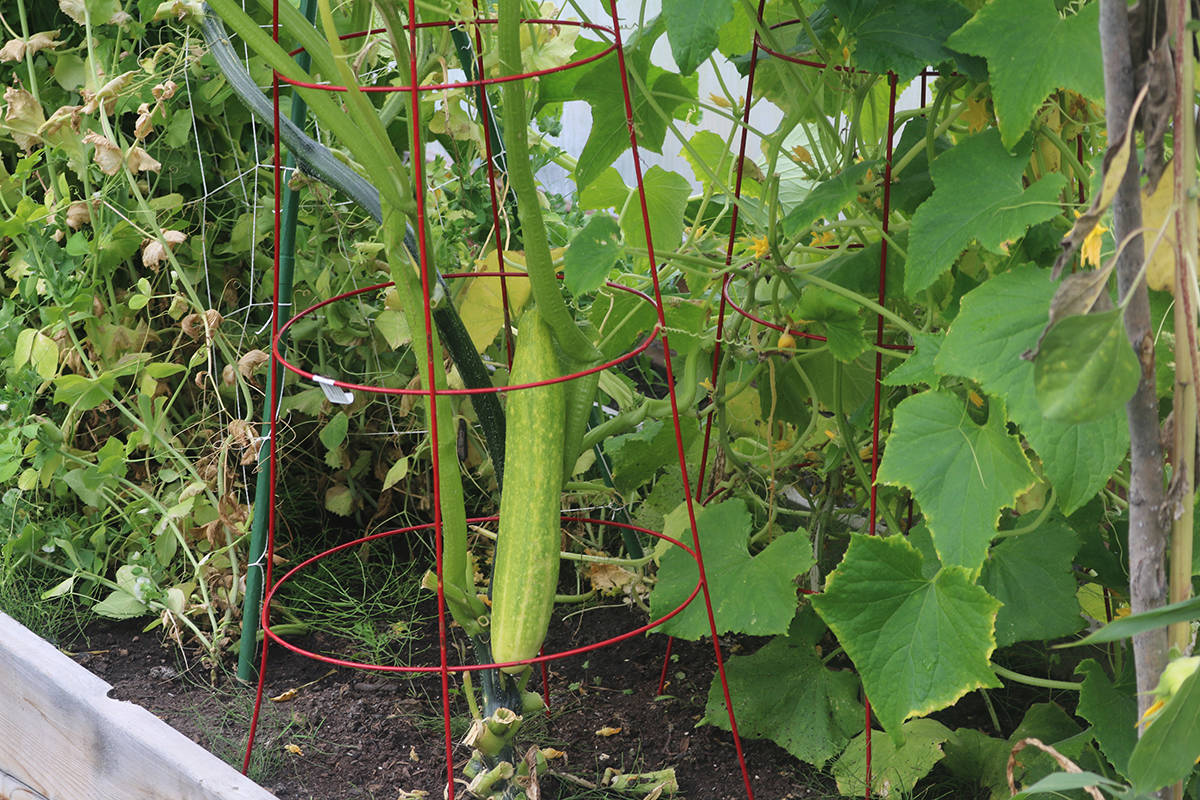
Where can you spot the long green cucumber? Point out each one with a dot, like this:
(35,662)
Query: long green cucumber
(525,573)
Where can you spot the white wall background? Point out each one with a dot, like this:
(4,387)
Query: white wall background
(577,116)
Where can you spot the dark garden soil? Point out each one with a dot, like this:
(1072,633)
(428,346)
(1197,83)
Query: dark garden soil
(349,734)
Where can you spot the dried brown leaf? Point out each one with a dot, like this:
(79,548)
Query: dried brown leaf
(251,361)
(23,116)
(107,155)
(139,160)
(61,117)
(79,214)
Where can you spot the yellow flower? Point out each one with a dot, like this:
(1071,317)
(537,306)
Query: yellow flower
(761,247)
(1090,251)
(820,239)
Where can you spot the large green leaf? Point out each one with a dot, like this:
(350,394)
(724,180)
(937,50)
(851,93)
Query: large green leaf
(919,643)
(979,195)
(1031,575)
(1111,708)
(919,366)
(961,473)
(692,27)
(997,323)
(895,769)
(806,709)
(838,318)
(750,594)
(1031,51)
(1085,369)
(592,254)
(1170,747)
(975,756)
(827,199)
(666,199)
(902,36)
(600,87)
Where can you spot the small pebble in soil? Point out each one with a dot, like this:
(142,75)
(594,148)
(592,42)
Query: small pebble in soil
(162,672)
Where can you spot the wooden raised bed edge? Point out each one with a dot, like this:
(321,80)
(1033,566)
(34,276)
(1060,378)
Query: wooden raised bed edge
(63,738)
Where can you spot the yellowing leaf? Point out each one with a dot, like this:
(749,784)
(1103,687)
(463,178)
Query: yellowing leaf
(294,749)
(15,49)
(608,730)
(1160,251)
(284,697)
(38,351)
(23,117)
(482,309)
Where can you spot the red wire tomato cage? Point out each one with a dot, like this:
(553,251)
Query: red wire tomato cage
(444,667)
(728,303)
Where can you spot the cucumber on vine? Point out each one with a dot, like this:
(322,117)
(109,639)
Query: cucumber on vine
(525,574)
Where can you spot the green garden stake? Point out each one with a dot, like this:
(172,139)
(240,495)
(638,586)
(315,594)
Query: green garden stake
(252,601)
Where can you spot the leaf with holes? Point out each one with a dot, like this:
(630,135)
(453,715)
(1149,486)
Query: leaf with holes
(919,643)
(961,473)
(724,535)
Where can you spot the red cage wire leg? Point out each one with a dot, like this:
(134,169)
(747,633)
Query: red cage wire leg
(722,307)
(878,388)
(486,121)
(687,489)
(431,393)
(273,454)
(733,228)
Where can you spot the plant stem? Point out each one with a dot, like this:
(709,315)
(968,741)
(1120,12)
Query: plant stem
(542,281)
(1147,527)
(1179,634)
(1030,680)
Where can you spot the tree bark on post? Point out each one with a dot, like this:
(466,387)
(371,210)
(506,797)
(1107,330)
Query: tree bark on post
(1148,524)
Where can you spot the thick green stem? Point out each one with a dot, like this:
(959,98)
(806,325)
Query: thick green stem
(542,281)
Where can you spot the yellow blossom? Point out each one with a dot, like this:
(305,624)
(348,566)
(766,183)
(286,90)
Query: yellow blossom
(761,247)
(822,239)
(1090,251)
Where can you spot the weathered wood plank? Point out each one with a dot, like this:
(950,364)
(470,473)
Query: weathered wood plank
(63,738)
(13,788)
